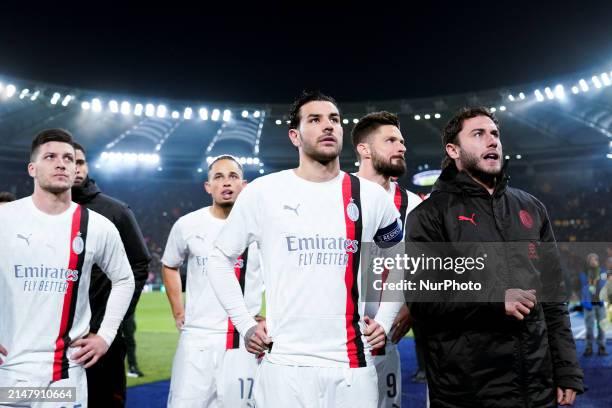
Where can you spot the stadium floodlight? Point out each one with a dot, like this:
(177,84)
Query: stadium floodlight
(67,99)
(355,121)
(85,105)
(427,116)
(159,168)
(227,115)
(609,155)
(161,111)
(584,87)
(502,108)
(356,164)
(203,113)
(605,79)
(149,109)
(279,122)
(575,89)
(345,121)
(1,86)
(256,114)
(125,108)
(10,90)
(596,81)
(34,95)
(242,160)
(261,171)
(200,170)
(245,114)
(511,98)
(521,96)
(187,113)
(138,109)
(519,157)
(437,116)
(158,147)
(209,159)
(113,106)
(249,160)
(256,160)
(417,117)
(175,115)
(549,93)
(215,115)
(55,98)
(493,109)
(24,93)
(538,95)
(559,91)
(507,157)
(288,122)
(96,105)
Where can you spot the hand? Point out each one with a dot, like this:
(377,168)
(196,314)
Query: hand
(3,352)
(374,332)
(519,302)
(260,318)
(256,338)
(566,397)
(179,320)
(92,347)
(401,324)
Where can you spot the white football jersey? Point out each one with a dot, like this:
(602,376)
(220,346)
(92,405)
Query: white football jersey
(45,267)
(310,235)
(192,237)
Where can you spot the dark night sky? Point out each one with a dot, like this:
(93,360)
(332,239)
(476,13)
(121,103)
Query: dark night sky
(268,53)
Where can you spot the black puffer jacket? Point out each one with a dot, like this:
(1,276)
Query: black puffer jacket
(90,196)
(476,355)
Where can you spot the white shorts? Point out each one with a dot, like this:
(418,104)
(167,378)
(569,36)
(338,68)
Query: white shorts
(281,386)
(77,379)
(389,372)
(202,377)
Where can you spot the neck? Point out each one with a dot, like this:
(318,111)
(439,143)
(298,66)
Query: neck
(317,172)
(489,187)
(366,170)
(51,203)
(220,212)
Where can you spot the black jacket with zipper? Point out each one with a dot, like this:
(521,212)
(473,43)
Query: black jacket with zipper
(120,214)
(477,356)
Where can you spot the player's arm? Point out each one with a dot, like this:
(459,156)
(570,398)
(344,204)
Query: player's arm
(174,254)
(110,255)
(568,374)
(172,282)
(3,352)
(136,250)
(240,229)
(389,234)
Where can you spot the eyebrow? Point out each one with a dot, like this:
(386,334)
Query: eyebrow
(316,115)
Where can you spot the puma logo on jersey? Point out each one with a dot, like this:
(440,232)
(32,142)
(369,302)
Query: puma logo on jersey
(26,239)
(470,219)
(295,210)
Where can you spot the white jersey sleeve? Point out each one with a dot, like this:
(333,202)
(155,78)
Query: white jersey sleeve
(240,230)
(111,258)
(176,247)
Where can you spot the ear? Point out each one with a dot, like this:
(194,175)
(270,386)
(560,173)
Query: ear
(452,150)
(244,183)
(31,170)
(207,187)
(294,136)
(363,149)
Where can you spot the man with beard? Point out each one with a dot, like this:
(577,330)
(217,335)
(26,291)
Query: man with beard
(514,349)
(106,379)
(310,223)
(380,148)
(49,245)
(211,366)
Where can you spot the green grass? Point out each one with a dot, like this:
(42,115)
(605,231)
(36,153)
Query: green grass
(156,338)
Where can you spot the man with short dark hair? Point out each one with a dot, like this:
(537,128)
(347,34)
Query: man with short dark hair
(49,247)
(106,379)
(310,223)
(511,346)
(6,197)
(380,148)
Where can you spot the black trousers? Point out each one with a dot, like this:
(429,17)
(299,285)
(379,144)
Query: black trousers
(106,381)
(128,328)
